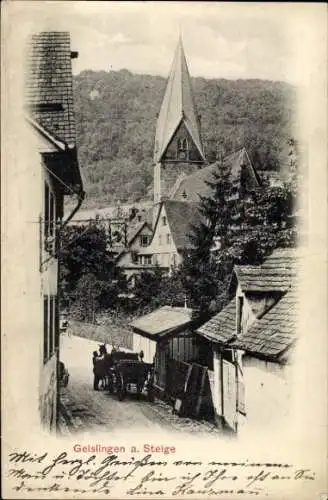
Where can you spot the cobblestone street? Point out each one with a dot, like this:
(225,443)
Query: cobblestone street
(85,410)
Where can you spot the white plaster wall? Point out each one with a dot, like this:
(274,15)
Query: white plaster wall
(267,395)
(248,316)
(148,346)
(22,305)
(163,253)
(216,390)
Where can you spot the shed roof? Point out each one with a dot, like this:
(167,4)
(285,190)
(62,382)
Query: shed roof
(163,321)
(195,185)
(275,332)
(49,84)
(276,273)
(222,327)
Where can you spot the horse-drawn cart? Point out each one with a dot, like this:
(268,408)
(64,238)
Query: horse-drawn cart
(127,372)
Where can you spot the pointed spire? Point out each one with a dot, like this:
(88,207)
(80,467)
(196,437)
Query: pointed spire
(177,106)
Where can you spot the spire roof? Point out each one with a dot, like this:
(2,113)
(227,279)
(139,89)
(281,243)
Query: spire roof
(177,106)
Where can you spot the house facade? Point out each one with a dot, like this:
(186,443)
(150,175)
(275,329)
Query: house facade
(133,258)
(251,340)
(171,233)
(51,175)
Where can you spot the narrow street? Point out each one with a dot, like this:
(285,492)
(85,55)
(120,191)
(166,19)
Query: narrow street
(99,411)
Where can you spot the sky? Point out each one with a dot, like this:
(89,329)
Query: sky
(221,40)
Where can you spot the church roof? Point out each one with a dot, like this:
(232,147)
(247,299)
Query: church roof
(177,106)
(195,185)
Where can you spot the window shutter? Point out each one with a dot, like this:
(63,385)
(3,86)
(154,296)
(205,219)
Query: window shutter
(241,404)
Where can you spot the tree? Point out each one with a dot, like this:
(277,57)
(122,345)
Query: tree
(115,130)
(246,224)
(147,287)
(89,278)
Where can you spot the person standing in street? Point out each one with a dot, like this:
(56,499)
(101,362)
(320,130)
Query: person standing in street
(96,377)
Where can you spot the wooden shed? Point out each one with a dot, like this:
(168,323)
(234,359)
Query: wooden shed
(167,337)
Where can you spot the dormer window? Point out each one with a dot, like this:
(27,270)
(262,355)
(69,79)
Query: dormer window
(144,240)
(182,149)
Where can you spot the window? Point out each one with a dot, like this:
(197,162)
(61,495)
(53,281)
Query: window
(50,330)
(168,238)
(183,144)
(160,239)
(51,326)
(134,257)
(240,302)
(164,221)
(147,259)
(56,323)
(182,149)
(144,240)
(49,215)
(45,329)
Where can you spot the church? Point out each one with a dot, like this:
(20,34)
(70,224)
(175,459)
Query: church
(181,171)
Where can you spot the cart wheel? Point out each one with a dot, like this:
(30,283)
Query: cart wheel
(139,388)
(120,389)
(150,393)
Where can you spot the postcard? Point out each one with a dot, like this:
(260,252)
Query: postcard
(164,250)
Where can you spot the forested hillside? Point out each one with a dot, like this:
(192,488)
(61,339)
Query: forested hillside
(116,115)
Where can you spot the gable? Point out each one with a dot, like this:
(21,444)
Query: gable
(160,241)
(179,150)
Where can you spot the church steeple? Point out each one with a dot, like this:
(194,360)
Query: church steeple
(177,141)
(177,107)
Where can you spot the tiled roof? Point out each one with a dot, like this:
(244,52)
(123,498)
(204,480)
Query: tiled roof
(134,230)
(49,89)
(181,216)
(275,274)
(177,106)
(222,327)
(163,321)
(275,332)
(195,184)
(132,233)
